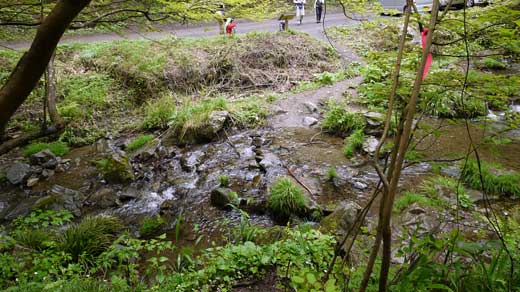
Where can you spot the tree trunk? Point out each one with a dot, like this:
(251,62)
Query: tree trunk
(32,65)
(51,94)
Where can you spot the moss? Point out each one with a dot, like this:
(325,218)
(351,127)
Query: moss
(409,198)
(139,142)
(158,112)
(493,64)
(116,169)
(57,148)
(48,201)
(151,224)
(332,174)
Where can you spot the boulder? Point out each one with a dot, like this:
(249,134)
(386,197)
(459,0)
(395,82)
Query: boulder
(370,145)
(311,107)
(116,168)
(341,219)
(18,173)
(310,121)
(222,197)
(105,198)
(43,157)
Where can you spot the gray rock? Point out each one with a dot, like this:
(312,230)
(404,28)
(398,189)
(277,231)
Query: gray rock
(416,209)
(359,185)
(117,169)
(105,198)
(310,121)
(341,219)
(370,144)
(270,160)
(276,110)
(18,173)
(43,157)
(204,133)
(311,107)
(190,161)
(32,181)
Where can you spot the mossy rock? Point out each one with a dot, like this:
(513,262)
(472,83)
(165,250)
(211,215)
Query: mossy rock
(341,219)
(48,202)
(222,197)
(116,169)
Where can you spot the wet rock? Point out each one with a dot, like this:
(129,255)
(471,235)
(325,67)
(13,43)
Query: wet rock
(277,110)
(32,181)
(18,173)
(269,160)
(19,209)
(311,107)
(359,185)
(129,194)
(146,153)
(42,157)
(105,198)
(170,208)
(374,119)
(222,197)
(190,161)
(47,173)
(310,121)
(416,209)
(117,169)
(341,219)
(370,145)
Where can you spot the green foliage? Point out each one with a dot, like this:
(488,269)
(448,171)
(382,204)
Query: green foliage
(151,224)
(339,121)
(285,198)
(57,148)
(324,79)
(90,237)
(493,64)
(224,181)
(449,187)
(139,142)
(332,174)
(158,113)
(495,181)
(409,198)
(353,143)
(43,219)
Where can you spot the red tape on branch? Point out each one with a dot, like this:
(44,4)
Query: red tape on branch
(424,33)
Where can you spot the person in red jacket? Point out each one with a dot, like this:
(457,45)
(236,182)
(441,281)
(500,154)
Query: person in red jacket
(230,26)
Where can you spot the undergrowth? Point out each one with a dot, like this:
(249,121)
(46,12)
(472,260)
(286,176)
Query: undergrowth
(494,181)
(285,199)
(57,148)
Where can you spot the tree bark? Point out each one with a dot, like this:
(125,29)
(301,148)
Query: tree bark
(51,94)
(32,65)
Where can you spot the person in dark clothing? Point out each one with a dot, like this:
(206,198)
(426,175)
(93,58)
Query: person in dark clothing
(318,5)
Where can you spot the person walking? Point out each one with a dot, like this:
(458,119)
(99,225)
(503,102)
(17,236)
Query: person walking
(318,5)
(231,26)
(300,9)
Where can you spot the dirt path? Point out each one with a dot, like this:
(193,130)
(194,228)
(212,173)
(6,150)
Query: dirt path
(309,26)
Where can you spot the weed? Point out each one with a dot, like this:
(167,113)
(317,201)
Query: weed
(139,142)
(36,239)
(332,174)
(495,180)
(151,224)
(409,198)
(285,198)
(353,143)
(439,185)
(90,237)
(86,89)
(57,148)
(493,64)
(224,181)
(339,121)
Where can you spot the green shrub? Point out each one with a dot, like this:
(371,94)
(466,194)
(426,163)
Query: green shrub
(151,224)
(248,113)
(158,113)
(57,148)
(36,239)
(285,198)
(494,64)
(139,142)
(353,143)
(495,181)
(90,237)
(339,121)
(190,117)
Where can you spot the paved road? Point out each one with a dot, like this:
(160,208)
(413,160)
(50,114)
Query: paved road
(309,26)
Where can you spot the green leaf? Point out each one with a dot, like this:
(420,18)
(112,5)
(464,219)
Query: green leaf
(311,278)
(298,279)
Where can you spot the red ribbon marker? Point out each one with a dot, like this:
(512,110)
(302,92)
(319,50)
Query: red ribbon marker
(424,33)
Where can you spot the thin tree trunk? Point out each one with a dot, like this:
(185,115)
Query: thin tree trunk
(51,94)
(32,65)
(409,114)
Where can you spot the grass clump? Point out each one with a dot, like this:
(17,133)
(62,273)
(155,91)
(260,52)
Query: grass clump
(151,224)
(158,113)
(86,89)
(435,186)
(285,199)
(353,143)
(57,148)
(224,181)
(332,174)
(495,180)
(90,237)
(410,198)
(139,142)
(339,121)
(493,64)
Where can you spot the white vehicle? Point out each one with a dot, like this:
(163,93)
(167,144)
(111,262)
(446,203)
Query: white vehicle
(400,5)
(459,3)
